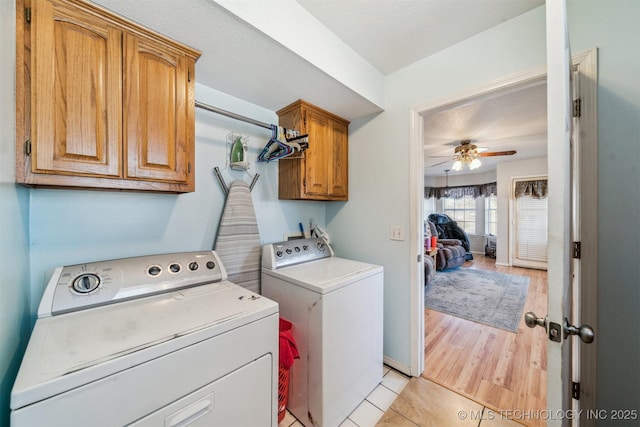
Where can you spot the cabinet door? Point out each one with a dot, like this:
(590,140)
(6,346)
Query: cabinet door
(338,166)
(158,116)
(317,155)
(76,103)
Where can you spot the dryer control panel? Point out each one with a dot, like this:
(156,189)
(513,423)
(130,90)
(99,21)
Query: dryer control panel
(81,286)
(284,254)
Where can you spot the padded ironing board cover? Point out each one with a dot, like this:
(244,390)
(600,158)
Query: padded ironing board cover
(238,240)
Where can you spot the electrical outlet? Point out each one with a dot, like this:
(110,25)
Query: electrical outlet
(397,233)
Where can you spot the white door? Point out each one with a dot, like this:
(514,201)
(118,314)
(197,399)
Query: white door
(562,176)
(559,124)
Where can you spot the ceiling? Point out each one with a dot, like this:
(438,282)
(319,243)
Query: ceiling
(254,65)
(515,120)
(391,34)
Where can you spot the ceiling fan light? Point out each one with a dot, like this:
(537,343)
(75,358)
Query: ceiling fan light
(475,163)
(457,165)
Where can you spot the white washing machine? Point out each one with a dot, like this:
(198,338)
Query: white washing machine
(154,340)
(335,305)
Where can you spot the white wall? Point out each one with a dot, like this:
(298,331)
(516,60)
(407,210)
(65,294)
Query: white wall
(506,173)
(379,156)
(14,225)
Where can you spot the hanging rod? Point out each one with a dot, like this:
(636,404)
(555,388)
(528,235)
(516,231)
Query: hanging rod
(232,115)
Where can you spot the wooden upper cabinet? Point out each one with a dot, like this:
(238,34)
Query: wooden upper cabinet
(156,90)
(338,168)
(74,110)
(322,172)
(101,101)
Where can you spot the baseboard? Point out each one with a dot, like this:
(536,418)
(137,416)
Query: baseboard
(400,367)
(503,264)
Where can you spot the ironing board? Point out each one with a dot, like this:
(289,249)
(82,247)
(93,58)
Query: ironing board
(238,240)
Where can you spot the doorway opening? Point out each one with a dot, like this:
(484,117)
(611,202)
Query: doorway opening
(499,369)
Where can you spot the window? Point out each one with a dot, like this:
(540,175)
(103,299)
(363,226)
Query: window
(531,229)
(463,211)
(491,215)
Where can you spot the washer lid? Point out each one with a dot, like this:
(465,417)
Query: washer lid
(73,349)
(326,275)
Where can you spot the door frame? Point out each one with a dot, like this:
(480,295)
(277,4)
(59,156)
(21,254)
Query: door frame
(586,64)
(585,230)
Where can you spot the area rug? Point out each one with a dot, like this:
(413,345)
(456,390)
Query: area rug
(494,299)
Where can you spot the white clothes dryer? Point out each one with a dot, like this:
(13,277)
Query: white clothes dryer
(153,340)
(336,307)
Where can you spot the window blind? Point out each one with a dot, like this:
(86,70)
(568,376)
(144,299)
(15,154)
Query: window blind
(531,229)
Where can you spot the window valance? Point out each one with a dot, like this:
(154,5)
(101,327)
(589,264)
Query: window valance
(457,192)
(535,188)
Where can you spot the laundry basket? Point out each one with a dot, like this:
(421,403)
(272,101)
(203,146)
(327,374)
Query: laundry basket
(288,352)
(283,391)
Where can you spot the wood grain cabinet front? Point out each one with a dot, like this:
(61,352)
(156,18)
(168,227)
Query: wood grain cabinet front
(322,172)
(101,101)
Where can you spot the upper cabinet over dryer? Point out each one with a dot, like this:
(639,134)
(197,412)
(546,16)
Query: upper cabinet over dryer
(322,173)
(101,101)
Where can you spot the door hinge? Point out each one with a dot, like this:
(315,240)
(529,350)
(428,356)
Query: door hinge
(188,75)
(27,147)
(577,107)
(304,120)
(576,253)
(304,183)
(189,167)
(575,390)
(27,15)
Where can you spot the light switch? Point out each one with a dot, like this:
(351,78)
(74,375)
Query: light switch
(397,232)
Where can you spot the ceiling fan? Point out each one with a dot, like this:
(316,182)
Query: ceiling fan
(467,154)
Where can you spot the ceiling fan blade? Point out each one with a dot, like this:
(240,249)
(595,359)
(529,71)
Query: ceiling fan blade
(497,153)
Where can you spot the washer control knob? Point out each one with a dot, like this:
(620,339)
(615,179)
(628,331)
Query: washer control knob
(211,265)
(193,266)
(297,249)
(288,251)
(174,268)
(321,246)
(305,247)
(154,270)
(86,283)
(279,254)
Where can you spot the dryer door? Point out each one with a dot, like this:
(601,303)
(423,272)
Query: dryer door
(241,398)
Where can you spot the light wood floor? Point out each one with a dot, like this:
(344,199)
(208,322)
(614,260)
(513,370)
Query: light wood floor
(499,369)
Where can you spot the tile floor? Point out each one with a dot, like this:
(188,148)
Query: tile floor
(400,401)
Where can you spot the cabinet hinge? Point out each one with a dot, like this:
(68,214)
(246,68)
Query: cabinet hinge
(577,107)
(188,75)
(304,183)
(575,390)
(27,147)
(189,167)
(576,250)
(27,15)
(304,119)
